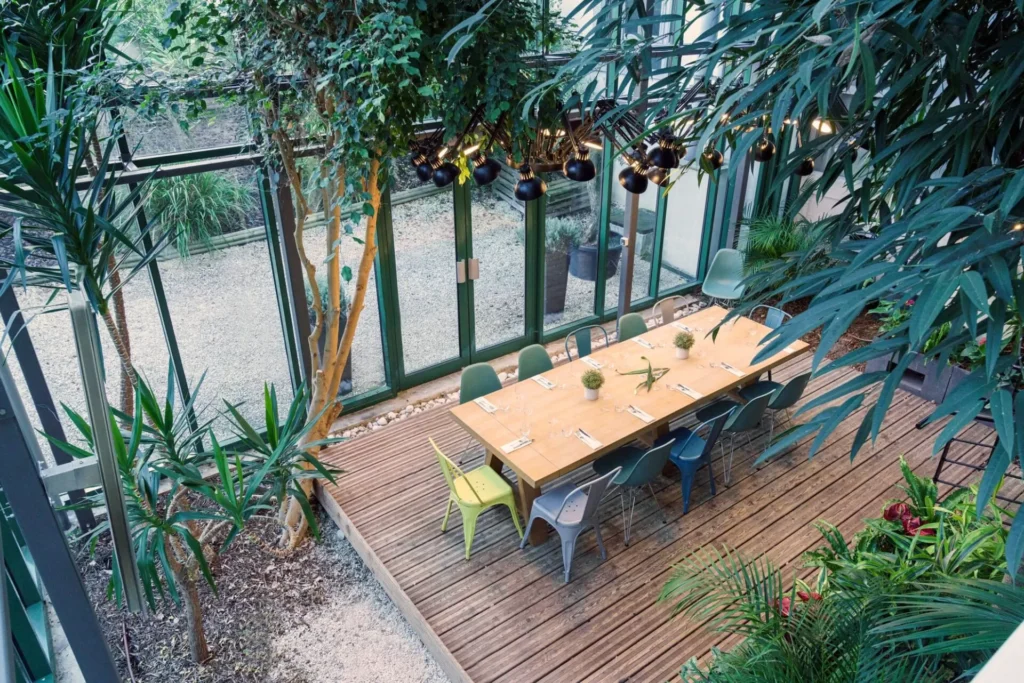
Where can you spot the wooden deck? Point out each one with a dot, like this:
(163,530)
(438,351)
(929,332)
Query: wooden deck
(507,615)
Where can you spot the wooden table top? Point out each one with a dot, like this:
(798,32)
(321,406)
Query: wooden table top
(553,415)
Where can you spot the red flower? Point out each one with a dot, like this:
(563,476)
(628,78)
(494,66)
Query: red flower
(912,527)
(806,597)
(896,511)
(911,302)
(784,610)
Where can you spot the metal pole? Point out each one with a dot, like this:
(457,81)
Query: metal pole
(6,638)
(87,345)
(19,478)
(32,371)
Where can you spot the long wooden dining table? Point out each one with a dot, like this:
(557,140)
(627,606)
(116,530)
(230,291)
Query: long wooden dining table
(552,412)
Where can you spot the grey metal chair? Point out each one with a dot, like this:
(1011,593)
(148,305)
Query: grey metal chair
(571,510)
(743,420)
(584,341)
(639,467)
(783,396)
(666,308)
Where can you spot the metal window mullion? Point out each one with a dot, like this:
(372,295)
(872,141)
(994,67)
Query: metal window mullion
(387,292)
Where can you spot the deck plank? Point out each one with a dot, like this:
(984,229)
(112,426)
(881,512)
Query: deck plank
(507,614)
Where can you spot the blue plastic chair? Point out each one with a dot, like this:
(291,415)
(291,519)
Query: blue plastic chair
(477,380)
(725,276)
(533,360)
(584,344)
(639,467)
(691,451)
(571,510)
(631,325)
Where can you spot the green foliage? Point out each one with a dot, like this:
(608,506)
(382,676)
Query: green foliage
(592,379)
(683,340)
(926,94)
(199,206)
(918,595)
(207,489)
(564,233)
(325,299)
(651,375)
(771,238)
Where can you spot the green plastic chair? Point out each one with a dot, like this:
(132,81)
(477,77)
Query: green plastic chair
(477,380)
(584,344)
(474,492)
(743,420)
(640,467)
(631,325)
(724,279)
(533,360)
(783,396)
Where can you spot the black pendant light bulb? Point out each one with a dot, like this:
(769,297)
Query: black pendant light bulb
(805,168)
(714,157)
(658,176)
(633,178)
(424,171)
(445,172)
(664,155)
(579,166)
(764,149)
(485,170)
(529,187)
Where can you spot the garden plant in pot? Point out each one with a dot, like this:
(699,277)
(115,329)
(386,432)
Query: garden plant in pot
(583,261)
(592,381)
(563,234)
(346,378)
(683,342)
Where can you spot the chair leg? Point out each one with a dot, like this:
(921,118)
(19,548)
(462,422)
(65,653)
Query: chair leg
(655,499)
(600,541)
(469,515)
(711,477)
(525,535)
(728,464)
(627,523)
(510,503)
(568,549)
(447,514)
(686,482)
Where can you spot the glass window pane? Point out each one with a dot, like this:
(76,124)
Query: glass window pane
(499,294)
(571,222)
(219,125)
(221,296)
(685,209)
(645,228)
(424,242)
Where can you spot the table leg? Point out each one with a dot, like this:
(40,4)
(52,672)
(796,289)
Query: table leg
(493,461)
(527,494)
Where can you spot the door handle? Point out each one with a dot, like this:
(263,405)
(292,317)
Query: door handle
(460,271)
(474,269)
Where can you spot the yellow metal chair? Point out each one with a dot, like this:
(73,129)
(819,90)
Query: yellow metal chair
(474,492)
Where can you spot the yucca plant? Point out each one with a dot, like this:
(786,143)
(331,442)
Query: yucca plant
(187,504)
(196,207)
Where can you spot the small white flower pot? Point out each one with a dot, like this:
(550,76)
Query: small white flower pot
(590,394)
(682,354)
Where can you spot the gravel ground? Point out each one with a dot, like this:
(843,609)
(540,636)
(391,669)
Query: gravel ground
(317,616)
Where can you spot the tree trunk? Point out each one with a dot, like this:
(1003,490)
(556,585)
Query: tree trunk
(123,353)
(127,388)
(189,592)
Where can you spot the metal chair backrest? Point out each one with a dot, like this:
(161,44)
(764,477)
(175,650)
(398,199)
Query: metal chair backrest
(773,317)
(584,344)
(594,489)
(650,465)
(749,414)
(451,472)
(790,393)
(477,380)
(666,309)
(533,360)
(631,325)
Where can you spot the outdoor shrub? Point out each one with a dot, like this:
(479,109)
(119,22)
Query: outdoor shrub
(564,233)
(919,595)
(592,379)
(770,238)
(325,299)
(199,206)
(683,340)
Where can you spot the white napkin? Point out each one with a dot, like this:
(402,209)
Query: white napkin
(543,381)
(789,349)
(486,405)
(643,342)
(735,371)
(517,444)
(680,326)
(592,363)
(683,389)
(588,439)
(637,412)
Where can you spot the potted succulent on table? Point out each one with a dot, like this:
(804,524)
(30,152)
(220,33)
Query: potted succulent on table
(683,343)
(592,381)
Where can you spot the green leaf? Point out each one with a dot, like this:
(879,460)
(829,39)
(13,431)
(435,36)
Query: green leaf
(973,284)
(1001,404)
(197,552)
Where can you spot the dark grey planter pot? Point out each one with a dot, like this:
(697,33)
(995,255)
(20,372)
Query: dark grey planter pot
(928,379)
(583,260)
(556,279)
